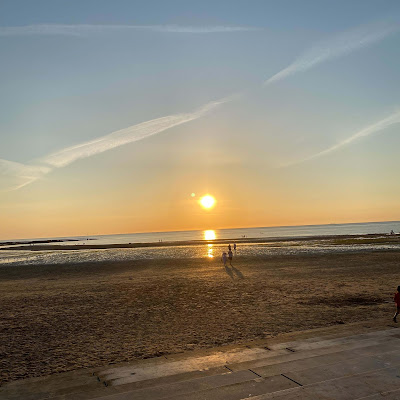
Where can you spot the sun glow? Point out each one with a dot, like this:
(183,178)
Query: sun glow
(207,201)
(209,235)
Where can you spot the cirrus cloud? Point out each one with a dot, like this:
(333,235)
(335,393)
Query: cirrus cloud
(88,29)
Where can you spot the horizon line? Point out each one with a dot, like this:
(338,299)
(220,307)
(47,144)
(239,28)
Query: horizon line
(194,230)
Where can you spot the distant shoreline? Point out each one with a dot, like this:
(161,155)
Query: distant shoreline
(33,242)
(46,244)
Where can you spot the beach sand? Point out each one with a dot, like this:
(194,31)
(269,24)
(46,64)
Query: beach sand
(64,317)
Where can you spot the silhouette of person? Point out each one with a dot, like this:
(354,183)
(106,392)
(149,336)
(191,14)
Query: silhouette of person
(230,256)
(224,258)
(396,299)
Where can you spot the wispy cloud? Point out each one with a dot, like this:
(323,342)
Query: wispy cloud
(84,30)
(15,175)
(127,135)
(337,46)
(21,175)
(367,131)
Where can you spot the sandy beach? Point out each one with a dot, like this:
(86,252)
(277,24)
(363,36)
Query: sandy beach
(65,317)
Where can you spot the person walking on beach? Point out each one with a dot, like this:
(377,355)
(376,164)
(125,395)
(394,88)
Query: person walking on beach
(224,258)
(397,301)
(229,247)
(230,256)
(234,247)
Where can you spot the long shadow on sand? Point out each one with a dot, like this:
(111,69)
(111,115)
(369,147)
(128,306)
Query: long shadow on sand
(237,272)
(233,272)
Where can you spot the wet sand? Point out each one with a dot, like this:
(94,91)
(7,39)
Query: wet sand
(57,318)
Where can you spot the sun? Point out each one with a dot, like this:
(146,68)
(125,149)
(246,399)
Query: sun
(209,235)
(207,201)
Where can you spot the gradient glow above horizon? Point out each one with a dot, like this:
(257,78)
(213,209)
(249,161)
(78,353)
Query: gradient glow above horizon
(112,114)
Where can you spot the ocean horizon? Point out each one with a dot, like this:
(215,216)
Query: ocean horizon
(288,231)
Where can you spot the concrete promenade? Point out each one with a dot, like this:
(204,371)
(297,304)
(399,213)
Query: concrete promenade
(343,362)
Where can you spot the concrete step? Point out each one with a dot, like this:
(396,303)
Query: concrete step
(233,356)
(236,391)
(236,360)
(358,377)
(372,385)
(149,383)
(137,371)
(347,349)
(321,369)
(318,342)
(334,371)
(221,372)
(186,388)
(339,358)
(275,369)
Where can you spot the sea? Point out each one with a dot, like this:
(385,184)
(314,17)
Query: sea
(274,245)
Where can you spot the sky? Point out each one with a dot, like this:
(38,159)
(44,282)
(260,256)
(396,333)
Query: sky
(113,113)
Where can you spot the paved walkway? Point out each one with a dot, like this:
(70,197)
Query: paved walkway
(343,362)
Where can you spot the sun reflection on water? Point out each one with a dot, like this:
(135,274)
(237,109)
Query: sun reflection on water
(210,251)
(209,235)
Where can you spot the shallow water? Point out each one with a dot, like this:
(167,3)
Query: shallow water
(212,252)
(261,232)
